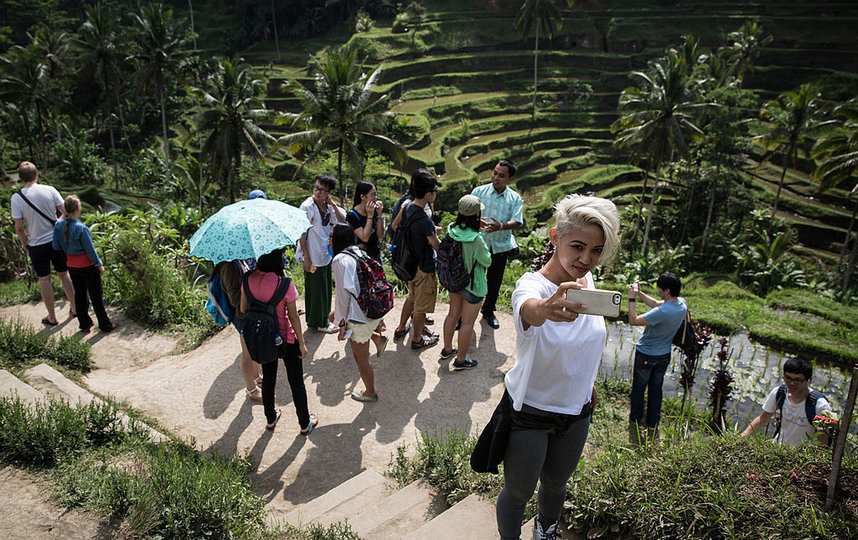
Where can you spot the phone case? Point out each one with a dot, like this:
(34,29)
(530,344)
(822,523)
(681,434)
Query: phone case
(599,302)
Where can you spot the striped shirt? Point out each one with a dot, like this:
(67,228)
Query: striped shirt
(504,207)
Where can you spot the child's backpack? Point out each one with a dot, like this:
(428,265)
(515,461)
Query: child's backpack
(217,304)
(376,294)
(450,266)
(403,260)
(261,329)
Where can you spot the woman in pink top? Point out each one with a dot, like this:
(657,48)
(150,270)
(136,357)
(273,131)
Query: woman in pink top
(263,283)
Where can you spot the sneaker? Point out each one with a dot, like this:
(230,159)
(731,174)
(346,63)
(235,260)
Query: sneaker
(550,533)
(424,342)
(467,363)
(446,355)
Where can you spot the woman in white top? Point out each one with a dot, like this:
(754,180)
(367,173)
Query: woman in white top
(557,359)
(353,324)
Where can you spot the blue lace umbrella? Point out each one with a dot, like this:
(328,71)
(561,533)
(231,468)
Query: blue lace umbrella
(248,229)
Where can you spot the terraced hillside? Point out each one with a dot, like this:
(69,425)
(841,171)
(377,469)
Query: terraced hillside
(463,78)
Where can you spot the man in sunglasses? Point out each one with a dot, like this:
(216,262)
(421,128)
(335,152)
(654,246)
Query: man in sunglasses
(793,405)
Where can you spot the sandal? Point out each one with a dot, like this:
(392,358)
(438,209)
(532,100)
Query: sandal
(330,329)
(254,395)
(399,334)
(423,343)
(310,426)
(271,426)
(47,322)
(382,345)
(258,381)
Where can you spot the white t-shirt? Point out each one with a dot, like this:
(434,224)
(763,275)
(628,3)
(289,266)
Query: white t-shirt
(45,198)
(317,234)
(556,364)
(794,425)
(346,307)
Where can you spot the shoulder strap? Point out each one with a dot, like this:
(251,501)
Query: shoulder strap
(810,405)
(780,397)
(33,206)
(353,211)
(280,292)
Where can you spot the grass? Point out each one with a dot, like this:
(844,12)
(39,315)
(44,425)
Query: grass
(688,484)
(99,463)
(24,346)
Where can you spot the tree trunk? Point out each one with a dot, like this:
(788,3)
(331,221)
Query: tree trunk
(711,209)
(164,130)
(845,247)
(850,266)
(535,79)
(191,9)
(778,196)
(640,204)
(340,173)
(274,20)
(113,154)
(649,218)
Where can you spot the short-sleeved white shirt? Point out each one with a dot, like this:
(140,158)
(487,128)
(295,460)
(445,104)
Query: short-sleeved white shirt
(556,364)
(346,307)
(317,235)
(45,198)
(794,425)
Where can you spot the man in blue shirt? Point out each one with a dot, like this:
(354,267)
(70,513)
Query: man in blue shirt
(502,215)
(652,351)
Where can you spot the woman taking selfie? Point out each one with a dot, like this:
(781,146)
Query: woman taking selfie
(557,359)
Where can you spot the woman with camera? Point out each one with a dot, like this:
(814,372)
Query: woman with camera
(557,358)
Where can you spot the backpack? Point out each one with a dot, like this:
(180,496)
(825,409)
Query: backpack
(217,304)
(809,405)
(403,260)
(376,294)
(450,265)
(261,328)
(687,339)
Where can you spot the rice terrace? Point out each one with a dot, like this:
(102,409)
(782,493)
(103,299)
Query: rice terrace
(725,132)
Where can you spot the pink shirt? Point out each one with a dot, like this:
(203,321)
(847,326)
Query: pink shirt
(263,285)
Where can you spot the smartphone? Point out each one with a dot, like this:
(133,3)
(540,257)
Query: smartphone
(598,301)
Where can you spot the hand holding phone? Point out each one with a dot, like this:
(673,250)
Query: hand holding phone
(597,301)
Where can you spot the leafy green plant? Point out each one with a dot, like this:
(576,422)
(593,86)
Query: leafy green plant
(22,344)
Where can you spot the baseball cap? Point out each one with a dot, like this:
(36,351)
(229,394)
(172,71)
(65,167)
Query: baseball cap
(256,194)
(470,205)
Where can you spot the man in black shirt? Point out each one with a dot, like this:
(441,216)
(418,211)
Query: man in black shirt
(422,241)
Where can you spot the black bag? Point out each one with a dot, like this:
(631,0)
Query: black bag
(491,446)
(686,338)
(403,260)
(261,327)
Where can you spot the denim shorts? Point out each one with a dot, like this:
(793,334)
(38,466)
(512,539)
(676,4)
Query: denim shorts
(470,298)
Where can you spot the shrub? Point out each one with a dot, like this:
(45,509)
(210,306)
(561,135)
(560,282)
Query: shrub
(184,494)
(23,344)
(49,431)
(13,258)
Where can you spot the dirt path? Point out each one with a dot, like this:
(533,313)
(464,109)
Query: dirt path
(200,396)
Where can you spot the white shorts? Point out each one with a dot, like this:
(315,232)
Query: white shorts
(362,332)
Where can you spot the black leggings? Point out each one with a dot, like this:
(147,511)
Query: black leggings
(87,285)
(295,374)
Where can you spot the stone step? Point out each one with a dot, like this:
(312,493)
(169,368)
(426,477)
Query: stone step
(345,500)
(395,516)
(51,382)
(11,385)
(470,519)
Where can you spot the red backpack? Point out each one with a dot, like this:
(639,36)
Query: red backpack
(376,294)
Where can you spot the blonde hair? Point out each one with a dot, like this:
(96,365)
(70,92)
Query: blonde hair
(71,204)
(27,171)
(585,211)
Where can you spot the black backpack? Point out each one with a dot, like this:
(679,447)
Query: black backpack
(403,260)
(261,327)
(450,266)
(686,338)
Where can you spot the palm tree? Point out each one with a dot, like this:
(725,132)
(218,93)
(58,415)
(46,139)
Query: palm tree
(538,16)
(658,120)
(792,116)
(103,58)
(837,151)
(161,43)
(745,48)
(341,113)
(232,106)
